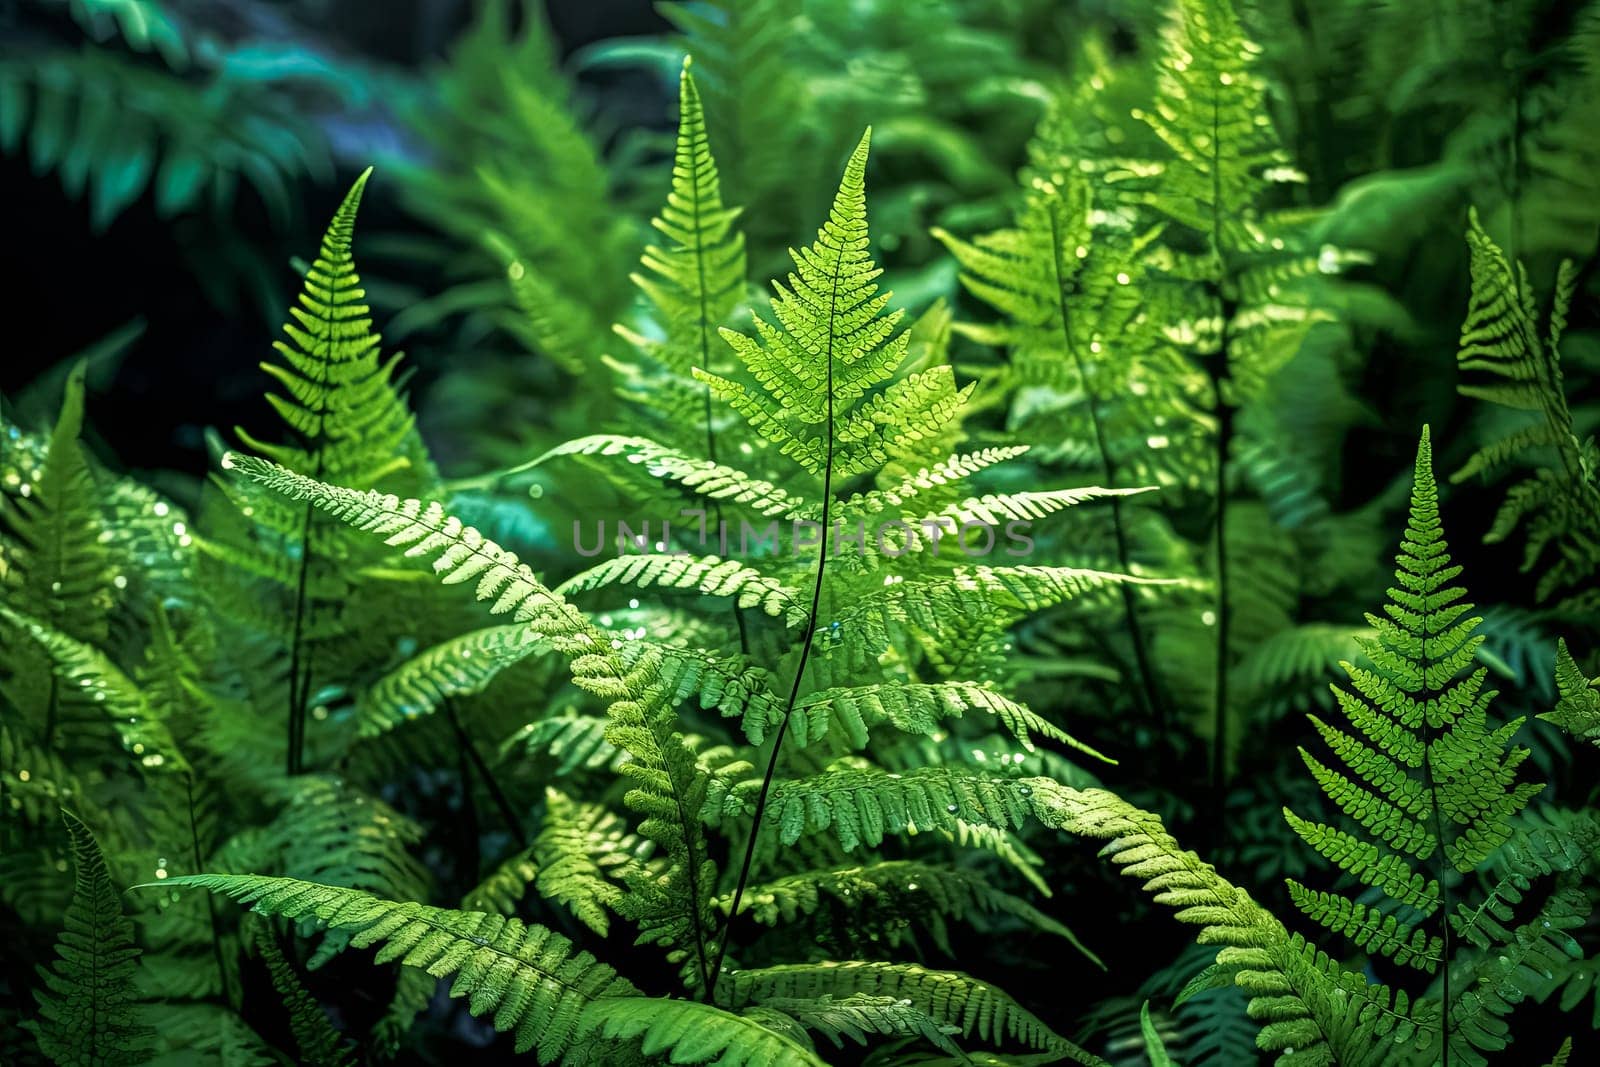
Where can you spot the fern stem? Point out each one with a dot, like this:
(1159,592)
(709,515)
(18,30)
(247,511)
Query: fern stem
(508,811)
(799,671)
(1219,705)
(1153,705)
(1431,786)
(297,694)
(211,903)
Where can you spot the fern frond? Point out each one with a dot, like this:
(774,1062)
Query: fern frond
(950,999)
(862,806)
(671,909)
(859,1014)
(1310,1009)
(830,346)
(318,1041)
(86,1006)
(696,280)
(1412,712)
(340,402)
(58,567)
(460,666)
(701,476)
(1509,363)
(1578,711)
(692,1032)
(99,700)
(928,890)
(526,977)
(912,709)
(707,575)
(585,853)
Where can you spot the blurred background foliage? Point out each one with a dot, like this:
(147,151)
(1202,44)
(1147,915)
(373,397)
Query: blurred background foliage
(163,162)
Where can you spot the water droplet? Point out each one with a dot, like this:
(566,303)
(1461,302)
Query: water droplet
(161,508)
(951,808)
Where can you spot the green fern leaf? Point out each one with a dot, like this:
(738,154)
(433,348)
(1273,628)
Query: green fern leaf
(318,1041)
(1578,711)
(1411,712)
(584,852)
(58,567)
(967,1006)
(86,1006)
(460,666)
(668,791)
(817,366)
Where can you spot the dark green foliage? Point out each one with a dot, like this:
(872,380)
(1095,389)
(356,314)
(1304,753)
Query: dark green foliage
(86,1006)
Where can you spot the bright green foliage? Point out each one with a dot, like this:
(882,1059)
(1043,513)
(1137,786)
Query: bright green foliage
(1578,711)
(693,281)
(1431,781)
(828,348)
(670,908)
(350,425)
(536,210)
(1511,362)
(86,1006)
(1312,1010)
(793,783)
(103,700)
(528,979)
(585,853)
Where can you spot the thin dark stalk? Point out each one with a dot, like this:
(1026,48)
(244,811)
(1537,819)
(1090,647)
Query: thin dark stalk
(705,327)
(211,900)
(299,687)
(1153,704)
(474,758)
(799,674)
(1219,708)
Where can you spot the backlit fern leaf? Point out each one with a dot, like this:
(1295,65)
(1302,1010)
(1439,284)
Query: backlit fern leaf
(817,366)
(584,853)
(86,1006)
(701,476)
(1432,780)
(351,426)
(707,575)
(696,279)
